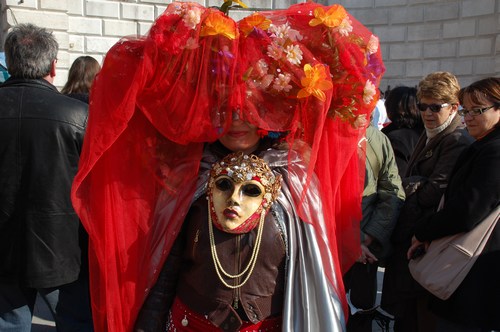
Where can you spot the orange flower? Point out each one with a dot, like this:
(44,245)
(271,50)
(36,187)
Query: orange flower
(332,18)
(315,82)
(256,20)
(218,24)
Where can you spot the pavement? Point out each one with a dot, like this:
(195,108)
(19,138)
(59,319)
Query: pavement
(43,322)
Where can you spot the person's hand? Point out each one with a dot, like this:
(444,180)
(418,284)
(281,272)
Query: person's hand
(366,255)
(416,245)
(368,240)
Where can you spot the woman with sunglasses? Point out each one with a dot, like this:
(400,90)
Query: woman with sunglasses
(425,181)
(472,194)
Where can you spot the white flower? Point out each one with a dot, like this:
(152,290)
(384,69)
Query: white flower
(345,27)
(369,92)
(274,51)
(294,35)
(280,31)
(264,82)
(179,10)
(360,121)
(261,67)
(293,54)
(281,82)
(192,18)
(372,46)
(284,32)
(191,43)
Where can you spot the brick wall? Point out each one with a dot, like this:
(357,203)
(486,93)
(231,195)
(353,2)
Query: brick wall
(421,36)
(417,36)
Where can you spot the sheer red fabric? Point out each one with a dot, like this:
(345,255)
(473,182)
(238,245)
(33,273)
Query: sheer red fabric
(352,53)
(154,103)
(309,71)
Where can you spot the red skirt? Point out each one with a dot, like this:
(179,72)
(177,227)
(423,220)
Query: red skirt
(183,319)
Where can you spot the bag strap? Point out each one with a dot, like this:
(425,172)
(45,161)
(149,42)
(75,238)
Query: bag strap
(473,242)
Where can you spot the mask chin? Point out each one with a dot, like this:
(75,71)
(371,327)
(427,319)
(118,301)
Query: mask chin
(235,226)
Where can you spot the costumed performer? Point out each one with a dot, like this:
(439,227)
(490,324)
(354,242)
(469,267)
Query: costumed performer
(159,99)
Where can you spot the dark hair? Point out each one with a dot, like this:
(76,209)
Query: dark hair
(488,88)
(81,75)
(401,106)
(30,51)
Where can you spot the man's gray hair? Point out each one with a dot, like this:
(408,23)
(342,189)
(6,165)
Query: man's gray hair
(29,51)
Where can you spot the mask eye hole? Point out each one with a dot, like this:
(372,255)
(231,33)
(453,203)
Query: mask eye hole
(224,184)
(252,190)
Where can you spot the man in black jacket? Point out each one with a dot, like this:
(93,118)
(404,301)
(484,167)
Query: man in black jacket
(41,136)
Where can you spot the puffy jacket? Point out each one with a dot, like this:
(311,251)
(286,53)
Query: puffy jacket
(41,136)
(383,194)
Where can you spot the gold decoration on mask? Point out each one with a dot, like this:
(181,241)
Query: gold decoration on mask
(240,167)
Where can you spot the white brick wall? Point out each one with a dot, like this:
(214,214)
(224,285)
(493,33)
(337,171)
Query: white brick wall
(406,15)
(75,7)
(462,28)
(461,36)
(103,8)
(85,26)
(417,36)
(137,12)
(447,49)
(26,3)
(424,31)
(119,28)
(60,5)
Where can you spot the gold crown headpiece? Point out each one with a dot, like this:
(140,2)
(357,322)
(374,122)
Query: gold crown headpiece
(241,167)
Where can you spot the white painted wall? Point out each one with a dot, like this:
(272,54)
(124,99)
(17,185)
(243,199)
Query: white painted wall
(417,36)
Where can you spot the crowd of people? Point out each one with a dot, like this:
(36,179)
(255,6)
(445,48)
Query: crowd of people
(217,175)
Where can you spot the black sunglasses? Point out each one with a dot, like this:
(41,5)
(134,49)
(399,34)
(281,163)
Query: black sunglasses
(433,107)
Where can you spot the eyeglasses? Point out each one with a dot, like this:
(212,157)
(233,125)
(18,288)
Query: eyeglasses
(433,107)
(474,111)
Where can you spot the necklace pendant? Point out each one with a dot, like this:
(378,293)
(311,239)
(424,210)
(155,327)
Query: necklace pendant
(184,321)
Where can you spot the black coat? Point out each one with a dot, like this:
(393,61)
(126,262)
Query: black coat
(425,182)
(403,142)
(473,192)
(41,136)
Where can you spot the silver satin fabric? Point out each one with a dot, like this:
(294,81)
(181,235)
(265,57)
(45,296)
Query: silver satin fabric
(311,303)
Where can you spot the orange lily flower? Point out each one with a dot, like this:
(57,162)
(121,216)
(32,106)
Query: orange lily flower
(315,82)
(218,24)
(332,18)
(256,20)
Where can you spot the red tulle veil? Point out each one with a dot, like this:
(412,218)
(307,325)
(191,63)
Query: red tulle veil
(310,71)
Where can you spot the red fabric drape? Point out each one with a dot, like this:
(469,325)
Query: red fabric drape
(158,99)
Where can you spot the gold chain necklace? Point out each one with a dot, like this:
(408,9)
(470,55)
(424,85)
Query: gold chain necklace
(251,262)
